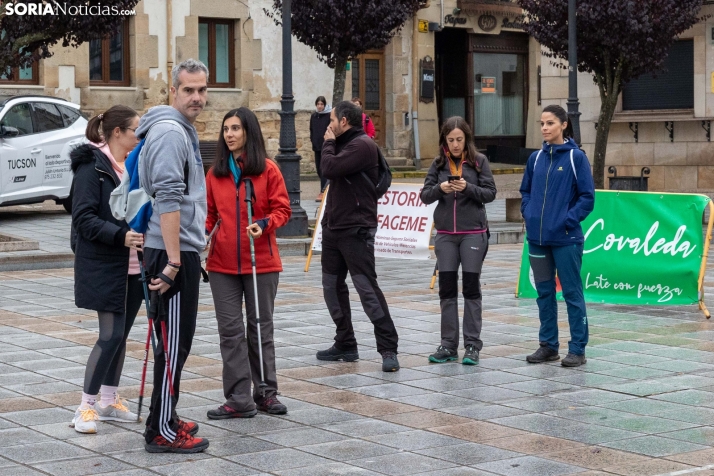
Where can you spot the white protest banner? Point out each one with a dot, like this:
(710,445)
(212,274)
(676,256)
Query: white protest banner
(404,224)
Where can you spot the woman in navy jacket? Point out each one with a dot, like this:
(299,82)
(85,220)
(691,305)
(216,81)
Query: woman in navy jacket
(558,193)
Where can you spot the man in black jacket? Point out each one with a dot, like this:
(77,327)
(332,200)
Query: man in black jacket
(350,162)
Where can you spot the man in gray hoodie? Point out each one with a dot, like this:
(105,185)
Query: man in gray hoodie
(171,170)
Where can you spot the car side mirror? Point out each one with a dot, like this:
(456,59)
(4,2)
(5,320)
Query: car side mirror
(9,131)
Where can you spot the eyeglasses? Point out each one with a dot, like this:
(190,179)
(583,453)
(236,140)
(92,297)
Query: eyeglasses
(129,128)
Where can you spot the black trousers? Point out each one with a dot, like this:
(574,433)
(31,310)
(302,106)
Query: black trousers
(353,250)
(178,307)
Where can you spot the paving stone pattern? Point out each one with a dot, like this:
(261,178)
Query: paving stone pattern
(642,405)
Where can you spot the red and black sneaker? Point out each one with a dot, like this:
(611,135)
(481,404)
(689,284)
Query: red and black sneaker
(188,427)
(272,406)
(183,443)
(224,412)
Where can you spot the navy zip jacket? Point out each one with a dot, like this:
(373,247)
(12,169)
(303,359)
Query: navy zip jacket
(558,193)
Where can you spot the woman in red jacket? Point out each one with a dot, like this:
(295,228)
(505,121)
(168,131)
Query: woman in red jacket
(367,123)
(241,154)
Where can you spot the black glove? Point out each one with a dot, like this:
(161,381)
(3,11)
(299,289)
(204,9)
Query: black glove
(157,309)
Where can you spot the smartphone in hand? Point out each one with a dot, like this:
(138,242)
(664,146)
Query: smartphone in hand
(453,178)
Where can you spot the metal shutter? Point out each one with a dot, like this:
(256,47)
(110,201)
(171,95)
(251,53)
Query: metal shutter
(671,88)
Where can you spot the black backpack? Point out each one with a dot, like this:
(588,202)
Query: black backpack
(384,176)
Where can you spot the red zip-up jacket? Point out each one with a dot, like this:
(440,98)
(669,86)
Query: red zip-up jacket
(230,247)
(368,126)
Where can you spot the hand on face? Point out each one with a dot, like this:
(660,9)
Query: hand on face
(329,134)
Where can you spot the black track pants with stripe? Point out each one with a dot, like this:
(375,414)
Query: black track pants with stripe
(179,307)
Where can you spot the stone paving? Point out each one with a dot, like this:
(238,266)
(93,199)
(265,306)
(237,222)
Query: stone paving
(640,406)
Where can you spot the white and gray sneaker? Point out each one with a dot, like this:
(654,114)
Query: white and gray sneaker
(85,419)
(116,411)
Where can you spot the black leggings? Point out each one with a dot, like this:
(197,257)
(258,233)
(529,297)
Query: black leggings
(106,360)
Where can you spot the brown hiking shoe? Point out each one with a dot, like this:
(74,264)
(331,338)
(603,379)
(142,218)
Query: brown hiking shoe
(273,406)
(183,443)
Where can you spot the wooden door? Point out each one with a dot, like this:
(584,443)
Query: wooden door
(368,85)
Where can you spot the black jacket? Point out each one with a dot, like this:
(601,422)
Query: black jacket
(460,211)
(101,262)
(318,125)
(352,197)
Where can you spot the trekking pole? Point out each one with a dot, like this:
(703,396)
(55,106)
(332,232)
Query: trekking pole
(249,204)
(145,286)
(143,372)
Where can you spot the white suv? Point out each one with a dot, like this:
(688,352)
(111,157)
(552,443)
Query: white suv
(37,134)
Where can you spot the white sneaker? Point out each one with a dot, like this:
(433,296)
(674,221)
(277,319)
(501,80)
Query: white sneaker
(84,420)
(117,411)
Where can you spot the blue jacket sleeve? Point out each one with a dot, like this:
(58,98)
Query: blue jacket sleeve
(585,194)
(526,185)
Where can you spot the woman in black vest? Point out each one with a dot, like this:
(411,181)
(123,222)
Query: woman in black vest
(106,268)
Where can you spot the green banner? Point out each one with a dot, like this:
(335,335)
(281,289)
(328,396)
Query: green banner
(640,248)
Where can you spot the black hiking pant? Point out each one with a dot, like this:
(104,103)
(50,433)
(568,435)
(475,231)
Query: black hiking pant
(178,307)
(352,250)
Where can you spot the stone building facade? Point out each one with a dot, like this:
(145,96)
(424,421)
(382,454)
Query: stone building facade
(455,57)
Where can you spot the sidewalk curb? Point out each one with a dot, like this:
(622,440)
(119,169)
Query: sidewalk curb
(39,261)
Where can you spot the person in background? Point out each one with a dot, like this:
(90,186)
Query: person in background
(350,160)
(558,193)
(460,180)
(367,123)
(106,267)
(319,121)
(240,155)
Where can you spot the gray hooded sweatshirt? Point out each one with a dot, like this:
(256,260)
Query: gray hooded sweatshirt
(161,173)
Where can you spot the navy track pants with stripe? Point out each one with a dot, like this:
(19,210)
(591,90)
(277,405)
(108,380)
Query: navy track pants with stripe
(179,306)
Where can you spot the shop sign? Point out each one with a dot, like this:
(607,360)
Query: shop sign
(453,20)
(515,24)
(426,84)
(488,85)
(487,22)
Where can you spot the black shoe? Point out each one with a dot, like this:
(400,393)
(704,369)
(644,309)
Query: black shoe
(443,354)
(572,360)
(333,353)
(272,406)
(470,356)
(389,361)
(224,412)
(543,354)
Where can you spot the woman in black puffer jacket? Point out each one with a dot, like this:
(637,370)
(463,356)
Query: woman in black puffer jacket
(460,180)
(106,268)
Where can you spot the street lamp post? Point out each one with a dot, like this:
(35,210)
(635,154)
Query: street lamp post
(288,158)
(573,103)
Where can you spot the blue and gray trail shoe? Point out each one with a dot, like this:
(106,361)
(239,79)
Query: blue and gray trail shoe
(443,354)
(470,356)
